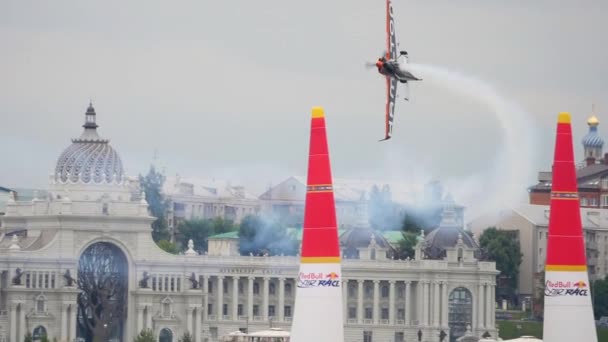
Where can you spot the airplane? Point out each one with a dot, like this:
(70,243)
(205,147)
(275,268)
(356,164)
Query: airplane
(388,66)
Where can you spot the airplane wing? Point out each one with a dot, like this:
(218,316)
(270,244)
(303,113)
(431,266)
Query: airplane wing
(391,39)
(391,83)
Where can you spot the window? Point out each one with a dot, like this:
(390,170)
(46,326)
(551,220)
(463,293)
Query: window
(384,291)
(400,292)
(256,288)
(369,313)
(399,337)
(460,311)
(351,291)
(225,310)
(400,313)
(288,289)
(271,310)
(167,309)
(209,308)
(384,313)
(241,288)
(368,291)
(367,336)
(352,313)
(210,286)
(271,289)
(239,310)
(225,286)
(256,310)
(40,304)
(287,311)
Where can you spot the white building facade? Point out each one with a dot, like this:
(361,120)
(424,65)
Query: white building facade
(45,242)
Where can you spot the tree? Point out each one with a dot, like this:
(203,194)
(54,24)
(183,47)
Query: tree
(503,248)
(102,280)
(599,295)
(146,335)
(219,226)
(186,337)
(152,184)
(168,246)
(27,337)
(405,247)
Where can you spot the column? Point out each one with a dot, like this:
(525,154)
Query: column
(140,318)
(408,304)
(488,305)
(235,298)
(376,301)
(391,302)
(220,298)
(22,330)
(436,300)
(445,304)
(425,303)
(149,317)
(250,299)
(360,301)
(64,321)
(197,324)
(345,300)
(13,321)
(73,317)
(265,299)
(493,306)
(281,299)
(480,300)
(189,312)
(205,298)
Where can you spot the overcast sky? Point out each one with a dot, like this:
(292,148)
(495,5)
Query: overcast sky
(224,88)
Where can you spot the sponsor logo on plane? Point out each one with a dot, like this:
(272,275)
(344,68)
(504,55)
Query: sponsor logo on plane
(566,288)
(308,280)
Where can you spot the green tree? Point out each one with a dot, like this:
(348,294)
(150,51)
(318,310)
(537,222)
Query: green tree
(220,226)
(503,248)
(152,184)
(27,337)
(145,335)
(168,246)
(198,230)
(405,246)
(599,296)
(186,337)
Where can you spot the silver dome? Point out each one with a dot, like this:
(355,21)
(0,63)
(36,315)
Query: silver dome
(90,159)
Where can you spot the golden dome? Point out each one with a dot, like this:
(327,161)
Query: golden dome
(593,121)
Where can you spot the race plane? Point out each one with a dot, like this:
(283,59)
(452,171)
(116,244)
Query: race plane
(388,65)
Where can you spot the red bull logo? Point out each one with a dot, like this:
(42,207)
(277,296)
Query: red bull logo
(566,288)
(308,280)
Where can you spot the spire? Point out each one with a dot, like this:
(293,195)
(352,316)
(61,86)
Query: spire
(318,312)
(89,121)
(568,314)
(90,127)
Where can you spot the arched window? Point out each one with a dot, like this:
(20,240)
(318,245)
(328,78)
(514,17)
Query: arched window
(40,307)
(166,335)
(287,288)
(460,312)
(39,332)
(384,291)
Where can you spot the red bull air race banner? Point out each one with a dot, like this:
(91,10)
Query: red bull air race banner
(566,288)
(318,279)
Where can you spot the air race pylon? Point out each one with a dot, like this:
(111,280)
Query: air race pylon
(318,304)
(568,312)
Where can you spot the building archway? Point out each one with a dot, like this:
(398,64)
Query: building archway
(38,333)
(460,310)
(102,302)
(166,335)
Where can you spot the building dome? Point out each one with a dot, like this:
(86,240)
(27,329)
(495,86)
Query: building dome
(441,238)
(90,159)
(593,139)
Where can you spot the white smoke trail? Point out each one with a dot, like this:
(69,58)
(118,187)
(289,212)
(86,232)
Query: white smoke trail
(505,186)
